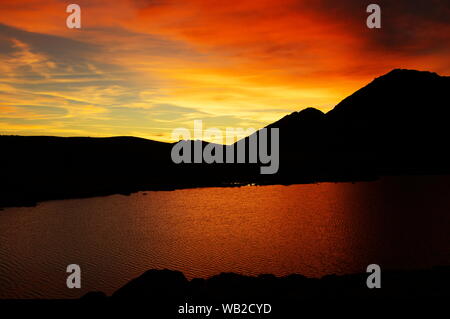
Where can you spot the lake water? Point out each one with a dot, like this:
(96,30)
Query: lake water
(316,229)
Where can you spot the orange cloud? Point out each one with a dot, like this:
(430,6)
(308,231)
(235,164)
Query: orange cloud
(247,61)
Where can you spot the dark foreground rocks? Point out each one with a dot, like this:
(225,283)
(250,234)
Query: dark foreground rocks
(165,292)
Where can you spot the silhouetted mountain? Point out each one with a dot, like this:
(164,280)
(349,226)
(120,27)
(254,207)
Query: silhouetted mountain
(397,124)
(400,120)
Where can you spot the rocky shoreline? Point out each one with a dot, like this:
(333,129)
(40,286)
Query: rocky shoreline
(168,292)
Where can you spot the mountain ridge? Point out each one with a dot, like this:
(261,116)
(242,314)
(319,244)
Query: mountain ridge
(395,125)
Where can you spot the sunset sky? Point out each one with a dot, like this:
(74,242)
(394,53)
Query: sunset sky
(145,67)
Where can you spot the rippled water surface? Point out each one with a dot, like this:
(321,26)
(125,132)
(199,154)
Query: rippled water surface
(317,229)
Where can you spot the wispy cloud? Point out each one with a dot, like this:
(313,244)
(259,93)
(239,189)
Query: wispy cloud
(141,67)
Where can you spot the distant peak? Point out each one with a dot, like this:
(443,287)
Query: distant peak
(308,114)
(311,110)
(407,73)
(305,113)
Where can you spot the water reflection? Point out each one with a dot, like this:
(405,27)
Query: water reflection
(310,229)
